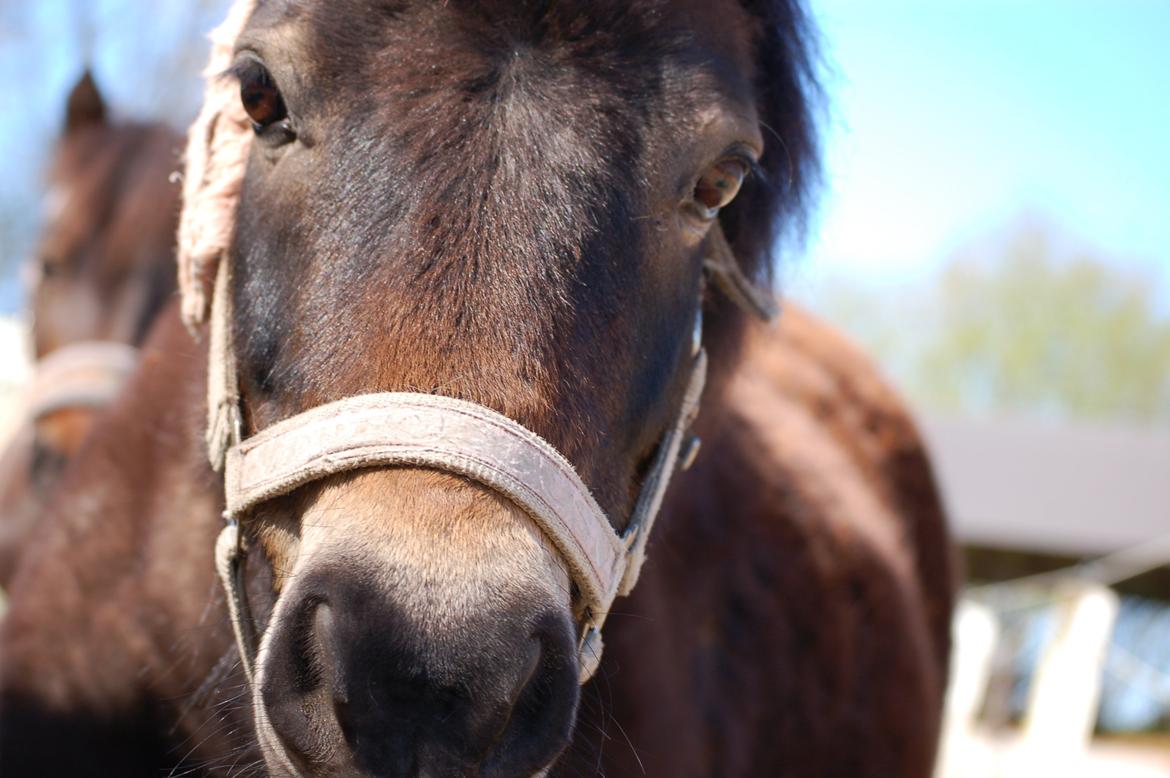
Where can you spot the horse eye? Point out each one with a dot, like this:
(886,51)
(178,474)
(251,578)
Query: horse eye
(261,98)
(719,185)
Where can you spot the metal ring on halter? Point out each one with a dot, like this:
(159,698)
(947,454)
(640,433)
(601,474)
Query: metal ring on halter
(697,331)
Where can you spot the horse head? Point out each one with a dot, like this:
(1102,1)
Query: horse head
(510,205)
(103,267)
(104,262)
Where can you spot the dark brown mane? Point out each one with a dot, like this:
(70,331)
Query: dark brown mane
(789,99)
(771,214)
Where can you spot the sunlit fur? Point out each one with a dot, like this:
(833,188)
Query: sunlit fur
(768,636)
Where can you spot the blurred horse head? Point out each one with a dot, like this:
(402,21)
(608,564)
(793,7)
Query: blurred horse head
(105,260)
(104,268)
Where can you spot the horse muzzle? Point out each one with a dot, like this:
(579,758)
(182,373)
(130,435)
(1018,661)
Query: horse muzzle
(424,629)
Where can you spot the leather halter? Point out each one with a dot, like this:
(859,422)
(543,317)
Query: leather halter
(442,433)
(79,375)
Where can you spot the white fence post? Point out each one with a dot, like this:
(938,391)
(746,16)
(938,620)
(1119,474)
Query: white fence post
(976,632)
(1066,688)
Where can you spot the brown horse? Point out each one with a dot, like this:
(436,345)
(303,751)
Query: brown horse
(103,271)
(510,204)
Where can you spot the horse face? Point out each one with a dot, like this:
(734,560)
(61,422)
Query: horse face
(503,202)
(105,261)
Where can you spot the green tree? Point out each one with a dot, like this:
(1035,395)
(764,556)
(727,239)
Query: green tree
(1025,321)
(1026,325)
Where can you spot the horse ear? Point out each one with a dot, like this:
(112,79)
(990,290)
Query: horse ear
(85,105)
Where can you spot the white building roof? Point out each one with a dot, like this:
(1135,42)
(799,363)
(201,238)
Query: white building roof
(1057,488)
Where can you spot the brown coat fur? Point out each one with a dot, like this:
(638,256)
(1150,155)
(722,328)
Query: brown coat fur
(506,203)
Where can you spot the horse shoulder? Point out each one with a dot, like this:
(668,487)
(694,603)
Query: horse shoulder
(867,421)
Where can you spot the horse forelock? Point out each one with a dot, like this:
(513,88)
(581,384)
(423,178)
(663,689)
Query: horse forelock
(217,149)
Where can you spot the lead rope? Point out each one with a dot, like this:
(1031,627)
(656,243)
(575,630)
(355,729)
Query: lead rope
(224,427)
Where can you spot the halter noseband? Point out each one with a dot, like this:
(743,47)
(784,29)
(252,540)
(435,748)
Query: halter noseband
(89,374)
(418,430)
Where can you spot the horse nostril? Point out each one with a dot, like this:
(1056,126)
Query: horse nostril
(544,704)
(528,669)
(322,639)
(300,678)
(351,681)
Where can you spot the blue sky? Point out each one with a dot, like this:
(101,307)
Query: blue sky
(951,117)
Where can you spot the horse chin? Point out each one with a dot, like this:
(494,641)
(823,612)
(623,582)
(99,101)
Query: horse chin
(424,624)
